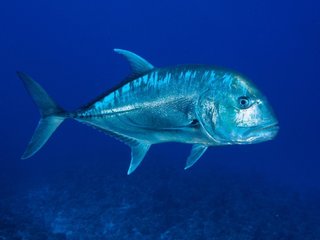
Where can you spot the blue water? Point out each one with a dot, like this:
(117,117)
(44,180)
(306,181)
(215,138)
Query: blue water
(76,187)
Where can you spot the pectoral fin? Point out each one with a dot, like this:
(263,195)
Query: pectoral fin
(138,152)
(196,152)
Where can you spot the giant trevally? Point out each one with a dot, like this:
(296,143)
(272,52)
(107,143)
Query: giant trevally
(195,104)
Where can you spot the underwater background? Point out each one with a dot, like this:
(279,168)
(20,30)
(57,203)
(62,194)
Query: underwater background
(76,187)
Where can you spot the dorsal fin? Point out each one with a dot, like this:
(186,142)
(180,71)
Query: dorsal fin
(138,64)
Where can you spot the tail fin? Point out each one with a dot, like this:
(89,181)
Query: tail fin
(51,115)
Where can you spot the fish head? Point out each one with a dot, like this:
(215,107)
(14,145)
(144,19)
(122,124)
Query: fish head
(236,112)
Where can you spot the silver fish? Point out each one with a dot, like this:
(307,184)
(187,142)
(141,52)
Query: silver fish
(196,104)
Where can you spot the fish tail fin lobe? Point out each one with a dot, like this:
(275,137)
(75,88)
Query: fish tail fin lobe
(52,115)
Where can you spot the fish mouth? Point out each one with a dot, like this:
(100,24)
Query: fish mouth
(262,133)
(266,127)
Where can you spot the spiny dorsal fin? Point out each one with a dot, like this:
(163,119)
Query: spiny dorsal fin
(196,152)
(138,64)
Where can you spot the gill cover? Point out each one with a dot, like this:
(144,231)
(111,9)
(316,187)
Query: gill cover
(207,114)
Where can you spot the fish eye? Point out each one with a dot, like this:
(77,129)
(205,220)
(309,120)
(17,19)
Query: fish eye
(244,102)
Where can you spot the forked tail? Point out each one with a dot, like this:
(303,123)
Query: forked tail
(51,115)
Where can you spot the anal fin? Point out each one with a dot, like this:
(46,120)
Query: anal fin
(138,152)
(138,148)
(196,152)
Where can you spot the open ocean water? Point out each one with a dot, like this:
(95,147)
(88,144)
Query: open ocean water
(76,187)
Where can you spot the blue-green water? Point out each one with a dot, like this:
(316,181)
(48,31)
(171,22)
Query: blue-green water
(76,187)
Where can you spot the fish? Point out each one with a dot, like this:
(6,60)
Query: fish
(201,105)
